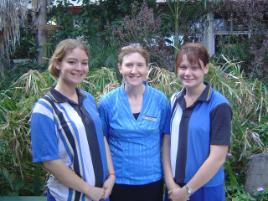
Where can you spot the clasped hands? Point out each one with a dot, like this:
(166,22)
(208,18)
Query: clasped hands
(177,193)
(97,193)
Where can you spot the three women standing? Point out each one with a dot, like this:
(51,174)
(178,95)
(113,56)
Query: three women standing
(67,135)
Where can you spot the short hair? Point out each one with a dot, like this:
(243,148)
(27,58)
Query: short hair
(133,48)
(194,52)
(63,48)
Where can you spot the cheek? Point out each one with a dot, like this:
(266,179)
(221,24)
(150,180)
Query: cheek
(179,73)
(146,72)
(86,69)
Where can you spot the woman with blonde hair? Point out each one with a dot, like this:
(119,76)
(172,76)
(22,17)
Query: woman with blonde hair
(66,132)
(135,117)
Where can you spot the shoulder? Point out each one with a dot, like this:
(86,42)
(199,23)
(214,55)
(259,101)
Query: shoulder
(110,96)
(175,96)
(42,110)
(217,98)
(87,94)
(42,104)
(156,93)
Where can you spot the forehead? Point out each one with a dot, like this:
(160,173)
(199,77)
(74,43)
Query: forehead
(77,53)
(189,58)
(134,56)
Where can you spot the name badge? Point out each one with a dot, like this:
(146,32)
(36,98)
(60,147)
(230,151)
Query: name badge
(150,118)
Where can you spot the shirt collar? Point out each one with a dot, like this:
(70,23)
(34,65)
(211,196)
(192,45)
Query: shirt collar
(204,97)
(60,98)
(206,94)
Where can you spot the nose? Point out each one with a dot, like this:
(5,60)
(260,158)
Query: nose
(187,71)
(80,66)
(134,69)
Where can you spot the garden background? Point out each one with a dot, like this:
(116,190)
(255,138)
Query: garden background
(238,69)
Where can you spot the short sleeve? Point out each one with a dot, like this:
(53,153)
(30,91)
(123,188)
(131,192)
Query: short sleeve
(104,116)
(221,118)
(43,133)
(165,117)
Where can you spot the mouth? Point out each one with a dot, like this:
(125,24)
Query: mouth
(77,74)
(134,77)
(187,80)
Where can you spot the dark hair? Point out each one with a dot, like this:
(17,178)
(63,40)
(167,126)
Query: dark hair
(63,48)
(133,48)
(194,52)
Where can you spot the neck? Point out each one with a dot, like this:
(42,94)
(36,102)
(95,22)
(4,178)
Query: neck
(195,92)
(135,91)
(68,91)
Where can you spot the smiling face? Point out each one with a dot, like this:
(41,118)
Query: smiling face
(192,65)
(133,69)
(73,68)
(191,74)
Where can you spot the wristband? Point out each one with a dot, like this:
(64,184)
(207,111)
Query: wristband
(189,191)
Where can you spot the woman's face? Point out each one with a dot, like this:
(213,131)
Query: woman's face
(73,67)
(191,75)
(133,69)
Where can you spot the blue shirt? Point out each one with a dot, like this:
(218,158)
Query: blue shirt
(135,143)
(193,129)
(60,129)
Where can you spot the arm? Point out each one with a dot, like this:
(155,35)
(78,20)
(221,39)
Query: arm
(170,183)
(208,169)
(70,179)
(109,182)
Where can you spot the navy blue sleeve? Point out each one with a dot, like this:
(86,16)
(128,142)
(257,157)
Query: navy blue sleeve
(220,125)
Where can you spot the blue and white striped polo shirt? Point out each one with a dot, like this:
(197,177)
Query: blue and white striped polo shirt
(63,129)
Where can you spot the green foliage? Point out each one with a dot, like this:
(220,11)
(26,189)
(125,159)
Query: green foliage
(249,126)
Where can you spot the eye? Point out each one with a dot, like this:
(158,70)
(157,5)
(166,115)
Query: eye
(140,65)
(182,67)
(71,62)
(194,68)
(129,65)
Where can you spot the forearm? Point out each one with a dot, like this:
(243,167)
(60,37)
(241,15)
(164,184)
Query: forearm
(109,182)
(67,176)
(209,168)
(166,162)
(109,158)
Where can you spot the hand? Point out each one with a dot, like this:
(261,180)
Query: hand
(172,185)
(178,194)
(108,186)
(96,193)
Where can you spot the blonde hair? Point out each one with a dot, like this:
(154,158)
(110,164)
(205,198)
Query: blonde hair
(63,48)
(133,48)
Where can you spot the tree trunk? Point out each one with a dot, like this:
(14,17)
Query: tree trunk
(41,21)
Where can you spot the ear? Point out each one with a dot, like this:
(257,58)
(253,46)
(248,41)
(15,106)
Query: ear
(206,68)
(119,67)
(203,66)
(57,65)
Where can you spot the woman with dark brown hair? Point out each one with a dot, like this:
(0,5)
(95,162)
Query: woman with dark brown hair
(194,153)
